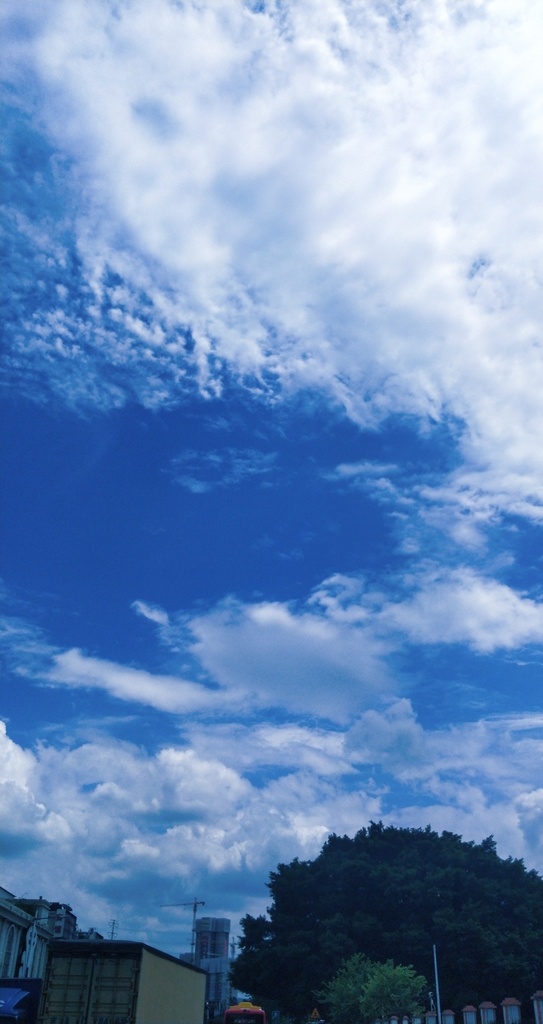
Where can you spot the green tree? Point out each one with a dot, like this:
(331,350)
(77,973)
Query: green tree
(392,893)
(363,991)
(341,995)
(390,989)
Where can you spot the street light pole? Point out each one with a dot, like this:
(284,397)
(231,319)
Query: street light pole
(438,999)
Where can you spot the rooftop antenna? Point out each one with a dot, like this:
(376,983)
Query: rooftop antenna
(195,903)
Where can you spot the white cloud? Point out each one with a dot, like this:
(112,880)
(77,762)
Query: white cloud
(16,764)
(219,809)
(329,656)
(292,658)
(134,826)
(258,747)
(177,819)
(331,200)
(151,612)
(252,656)
(27,822)
(374,230)
(462,607)
(167,693)
(201,472)
(477,778)
(504,752)
(529,808)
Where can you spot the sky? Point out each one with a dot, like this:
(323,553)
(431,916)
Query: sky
(272,452)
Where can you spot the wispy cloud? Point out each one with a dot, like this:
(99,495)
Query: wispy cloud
(151,612)
(167,693)
(201,472)
(333,654)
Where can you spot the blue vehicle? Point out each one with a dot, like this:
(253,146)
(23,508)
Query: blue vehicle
(15,1004)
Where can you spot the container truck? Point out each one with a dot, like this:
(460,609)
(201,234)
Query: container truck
(116,982)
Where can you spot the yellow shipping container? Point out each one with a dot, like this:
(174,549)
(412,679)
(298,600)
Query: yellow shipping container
(115,982)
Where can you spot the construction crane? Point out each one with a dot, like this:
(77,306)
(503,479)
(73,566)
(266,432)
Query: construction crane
(195,903)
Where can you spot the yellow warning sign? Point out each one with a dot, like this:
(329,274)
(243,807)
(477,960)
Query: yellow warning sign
(315,1015)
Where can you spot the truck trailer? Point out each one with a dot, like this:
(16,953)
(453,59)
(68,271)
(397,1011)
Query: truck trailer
(116,982)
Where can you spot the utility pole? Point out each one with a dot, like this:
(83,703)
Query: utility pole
(195,903)
(112,928)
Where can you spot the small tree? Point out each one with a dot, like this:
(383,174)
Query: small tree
(342,994)
(362,991)
(391,990)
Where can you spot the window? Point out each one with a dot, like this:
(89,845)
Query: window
(8,952)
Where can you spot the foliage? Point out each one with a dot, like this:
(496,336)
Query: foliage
(392,990)
(391,893)
(364,991)
(341,995)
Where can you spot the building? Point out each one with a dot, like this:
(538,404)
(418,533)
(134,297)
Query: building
(212,937)
(63,920)
(25,933)
(212,941)
(90,934)
(26,929)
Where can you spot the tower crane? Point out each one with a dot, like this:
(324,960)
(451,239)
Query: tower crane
(195,903)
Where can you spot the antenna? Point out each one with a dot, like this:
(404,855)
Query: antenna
(113,928)
(195,903)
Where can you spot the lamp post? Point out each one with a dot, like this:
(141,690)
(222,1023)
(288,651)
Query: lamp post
(438,998)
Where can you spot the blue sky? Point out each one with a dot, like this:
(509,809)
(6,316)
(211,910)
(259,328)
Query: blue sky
(272,441)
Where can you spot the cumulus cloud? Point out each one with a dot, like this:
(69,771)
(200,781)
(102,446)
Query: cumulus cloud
(450,761)
(462,607)
(237,794)
(201,816)
(529,807)
(435,606)
(27,822)
(291,657)
(475,778)
(270,746)
(175,818)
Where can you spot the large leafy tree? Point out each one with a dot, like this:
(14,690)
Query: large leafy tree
(391,894)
